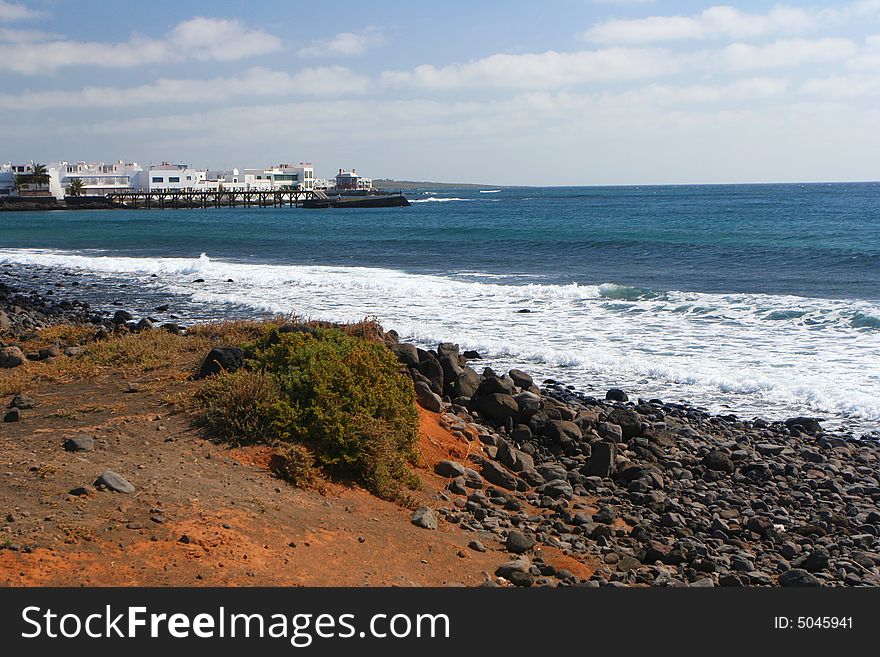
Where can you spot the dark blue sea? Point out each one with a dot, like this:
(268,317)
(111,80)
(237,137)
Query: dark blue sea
(751,299)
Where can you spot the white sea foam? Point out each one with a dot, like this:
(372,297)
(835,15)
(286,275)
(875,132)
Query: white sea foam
(754,353)
(489,191)
(434,199)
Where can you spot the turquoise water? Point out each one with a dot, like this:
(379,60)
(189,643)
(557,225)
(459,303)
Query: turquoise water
(764,299)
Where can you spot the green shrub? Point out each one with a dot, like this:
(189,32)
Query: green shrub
(296,463)
(345,397)
(341,395)
(241,407)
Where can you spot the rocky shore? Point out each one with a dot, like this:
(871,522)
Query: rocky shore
(653,493)
(661,494)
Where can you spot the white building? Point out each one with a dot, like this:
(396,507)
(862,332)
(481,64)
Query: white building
(167,177)
(15,182)
(351,181)
(100,179)
(284,176)
(224,179)
(7,180)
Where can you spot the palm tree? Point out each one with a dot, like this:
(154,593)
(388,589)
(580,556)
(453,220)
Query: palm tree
(35,182)
(75,188)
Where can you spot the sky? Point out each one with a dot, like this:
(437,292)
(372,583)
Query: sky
(561,92)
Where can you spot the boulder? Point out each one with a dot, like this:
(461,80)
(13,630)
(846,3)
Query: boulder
(718,461)
(498,475)
(122,316)
(521,379)
(427,398)
(112,481)
(492,383)
(80,444)
(628,421)
(497,407)
(449,469)
(432,370)
(12,415)
(143,325)
(562,431)
(221,359)
(22,401)
(425,517)
(529,403)
(506,570)
(518,543)
(516,460)
(809,425)
(558,488)
(798,577)
(11,357)
(616,394)
(5,322)
(465,383)
(610,432)
(602,460)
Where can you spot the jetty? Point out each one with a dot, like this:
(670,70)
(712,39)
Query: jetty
(232,198)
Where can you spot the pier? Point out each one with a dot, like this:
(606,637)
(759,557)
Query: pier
(232,198)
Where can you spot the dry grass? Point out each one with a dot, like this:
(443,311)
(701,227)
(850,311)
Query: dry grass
(67,335)
(135,353)
(128,353)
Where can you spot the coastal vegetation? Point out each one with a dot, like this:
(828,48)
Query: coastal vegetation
(328,399)
(338,398)
(75,188)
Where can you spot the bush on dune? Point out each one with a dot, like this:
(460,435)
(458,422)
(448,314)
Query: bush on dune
(339,394)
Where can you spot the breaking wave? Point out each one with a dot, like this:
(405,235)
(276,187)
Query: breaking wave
(772,355)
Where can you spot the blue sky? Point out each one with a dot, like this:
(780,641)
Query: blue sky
(561,92)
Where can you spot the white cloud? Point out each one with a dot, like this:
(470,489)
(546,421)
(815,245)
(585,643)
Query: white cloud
(715,22)
(843,86)
(344,44)
(783,53)
(200,39)
(255,82)
(13,11)
(547,70)
(724,21)
(747,89)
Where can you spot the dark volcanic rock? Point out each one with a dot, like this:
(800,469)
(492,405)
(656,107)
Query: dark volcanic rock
(518,543)
(498,475)
(425,517)
(449,469)
(22,401)
(80,444)
(427,398)
(798,577)
(112,481)
(627,420)
(497,407)
(515,459)
(11,357)
(718,461)
(221,359)
(558,488)
(809,424)
(520,379)
(602,460)
(616,394)
(406,354)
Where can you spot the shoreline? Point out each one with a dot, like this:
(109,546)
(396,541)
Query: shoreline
(656,493)
(78,284)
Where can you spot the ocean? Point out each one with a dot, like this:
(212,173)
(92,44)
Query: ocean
(757,300)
